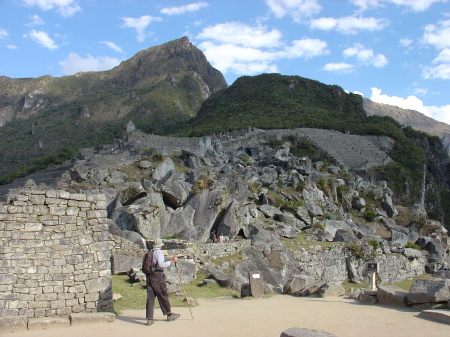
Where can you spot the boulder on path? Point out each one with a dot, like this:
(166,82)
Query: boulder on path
(297,283)
(332,289)
(429,291)
(392,295)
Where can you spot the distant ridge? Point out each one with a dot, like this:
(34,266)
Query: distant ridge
(411,118)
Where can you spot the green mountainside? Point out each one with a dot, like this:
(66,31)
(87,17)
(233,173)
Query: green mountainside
(156,88)
(272,101)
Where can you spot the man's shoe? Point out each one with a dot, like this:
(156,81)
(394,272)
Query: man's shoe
(150,322)
(172,317)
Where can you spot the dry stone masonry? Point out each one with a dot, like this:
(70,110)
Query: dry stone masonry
(54,254)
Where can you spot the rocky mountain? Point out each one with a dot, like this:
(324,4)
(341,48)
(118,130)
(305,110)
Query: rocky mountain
(156,88)
(411,118)
(281,212)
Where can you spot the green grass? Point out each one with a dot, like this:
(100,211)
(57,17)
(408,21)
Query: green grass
(134,295)
(406,284)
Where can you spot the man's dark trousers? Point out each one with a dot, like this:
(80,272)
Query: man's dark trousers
(156,286)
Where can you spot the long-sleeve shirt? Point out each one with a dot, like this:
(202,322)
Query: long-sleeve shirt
(158,259)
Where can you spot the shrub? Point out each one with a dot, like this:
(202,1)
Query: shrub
(410,244)
(369,215)
(374,243)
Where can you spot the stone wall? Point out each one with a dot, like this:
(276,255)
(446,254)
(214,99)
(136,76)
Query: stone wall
(336,263)
(54,254)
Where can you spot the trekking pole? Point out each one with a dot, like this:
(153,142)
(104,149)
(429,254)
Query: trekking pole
(182,286)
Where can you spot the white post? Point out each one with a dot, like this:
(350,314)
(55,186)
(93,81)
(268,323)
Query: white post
(374,283)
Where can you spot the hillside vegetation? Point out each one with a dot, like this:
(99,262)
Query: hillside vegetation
(156,88)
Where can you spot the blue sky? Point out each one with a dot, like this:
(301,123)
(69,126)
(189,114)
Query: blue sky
(392,51)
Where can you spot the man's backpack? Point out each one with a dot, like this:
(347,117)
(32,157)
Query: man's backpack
(147,264)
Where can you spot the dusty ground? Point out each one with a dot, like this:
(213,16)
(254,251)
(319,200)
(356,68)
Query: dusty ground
(263,317)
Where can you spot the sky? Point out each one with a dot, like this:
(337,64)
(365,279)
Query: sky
(395,52)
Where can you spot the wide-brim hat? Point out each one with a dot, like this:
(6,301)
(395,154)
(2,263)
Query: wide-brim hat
(158,243)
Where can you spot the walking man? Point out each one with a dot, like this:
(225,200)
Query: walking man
(156,284)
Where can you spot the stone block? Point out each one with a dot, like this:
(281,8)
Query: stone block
(256,283)
(442,316)
(392,295)
(13,323)
(82,318)
(37,199)
(78,196)
(121,264)
(51,194)
(429,291)
(64,194)
(98,285)
(33,227)
(303,332)
(47,322)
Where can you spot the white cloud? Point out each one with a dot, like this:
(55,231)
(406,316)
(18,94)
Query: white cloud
(342,67)
(184,9)
(66,8)
(440,68)
(305,48)
(11,46)
(140,24)
(415,5)
(74,63)
(441,114)
(3,33)
(405,42)
(366,56)
(349,24)
(35,20)
(237,59)
(113,46)
(297,9)
(42,38)
(437,35)
(247,50)
(411,102)
(242,34)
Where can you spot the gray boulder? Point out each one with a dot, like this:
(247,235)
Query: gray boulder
(332,289)
(188,271)
(232,221)
(425,291)
(437,255)
(181,220)
(443,274)
(269,211)
(146,216)
(163,168)
(331,226)
(121,264)
(174,188)
(297,283)
(208,205)
(392,295)
(275,262)
(366,298)
(359,203)
(259,235)
(388,206)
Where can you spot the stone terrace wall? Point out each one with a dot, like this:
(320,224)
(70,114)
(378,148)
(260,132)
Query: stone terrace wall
(54,254)
(331,263)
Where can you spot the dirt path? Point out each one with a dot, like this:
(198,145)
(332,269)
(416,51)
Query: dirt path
(263,317)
